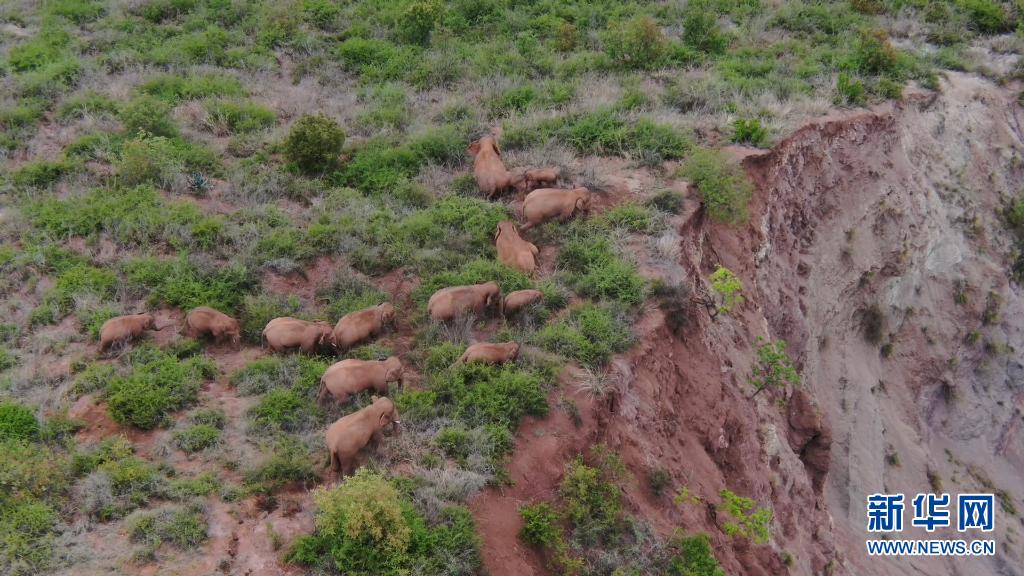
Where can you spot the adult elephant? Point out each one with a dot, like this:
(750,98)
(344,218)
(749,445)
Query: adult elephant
(455,301)
(283,334)
(361,325)
(351,433)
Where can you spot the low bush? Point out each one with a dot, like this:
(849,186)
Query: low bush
(702,32)
(366,526)
(173,88)
(593,499)
(149,115)
(184,527)
(540,525)
(301,373)
(638,43)
(749,131)
(594,266)
(692,556)
(721,183)
(288,410)
(155,385)
(197,437)
(88,104)
(748,521)
(288,462)
(240,117)
(481,394)
(117,482)
(315,143)
(630,217)
(589,334)
(186,284)
(41,173)
(260,309)
(17,421)
(27,532)
(348,293)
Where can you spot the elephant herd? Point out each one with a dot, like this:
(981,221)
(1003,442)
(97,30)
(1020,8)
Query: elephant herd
(347,436)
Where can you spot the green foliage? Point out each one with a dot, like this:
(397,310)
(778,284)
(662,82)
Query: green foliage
(702,32)
(593,499)
(289,462)
(988,16)
(418,20)
(589,334)
(184,527)
(173,88)
(593,264)
(749,131)
(300,373)
(873,324)
(728,288)
(540,525)
(78,280)
(259,309)
(721,183)
(17,421)
(290,410)
(454,442)
(638,43)
(749,521)
(668,201)
(366,526)
(630,217)
(197,437)
(480,394)
(692,556)
(874,54)
(156,384)
(149,115)
(119,481)
(851,90)
(240,117)
(314,143)
(26,537)
(181,284)
(773,367)
(41,173)
(349,293)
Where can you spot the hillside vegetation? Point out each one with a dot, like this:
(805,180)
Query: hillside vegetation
(165,154)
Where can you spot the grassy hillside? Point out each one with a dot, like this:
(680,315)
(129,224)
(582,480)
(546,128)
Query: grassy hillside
(167,154)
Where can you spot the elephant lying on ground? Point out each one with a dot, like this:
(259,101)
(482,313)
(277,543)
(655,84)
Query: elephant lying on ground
(455,301)
(361,325)
(351,433)
(513,251)
(491,175)
(545,204)
(490,353)
(352,376)
(125,329)
(285,333)
(205,321)
(520,299)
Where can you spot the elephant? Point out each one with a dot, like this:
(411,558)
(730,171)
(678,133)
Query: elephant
(286,333)
(537,177)
(544,204)
(351,376)
(351,433)
(125,328)
(359,326)
(513,251)
(490,353)
(491,175)
(520,299)
(204,321)
(448,303)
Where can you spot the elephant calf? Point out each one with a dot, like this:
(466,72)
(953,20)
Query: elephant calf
(351,433)
(491,175)
(455,301)
(520,299)
(359,326)
(352,376)
(205,321)
(545,204)
(285,333)
(124,329)
(513,251)
(489,353)
(537,177)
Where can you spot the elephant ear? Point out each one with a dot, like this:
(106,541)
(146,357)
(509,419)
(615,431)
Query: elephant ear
(497,233)
(474,148)
(383,420)
(495,145)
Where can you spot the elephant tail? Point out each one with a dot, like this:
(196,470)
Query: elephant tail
(322,392)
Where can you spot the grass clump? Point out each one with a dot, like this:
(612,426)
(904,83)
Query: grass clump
(186,283)
(197,437)
(259,309)
(314,144)
(593,265)
(288,462)
(638,43)
(240,117)
(174,88)
(183,527)
(17,421)
(155,385)
(749,131)
(365,525)
(589,334)
(275,373)
(118,481)
(721,183)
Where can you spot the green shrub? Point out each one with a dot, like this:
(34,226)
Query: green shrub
(27,537)
(692,556)
(300,373)
(197,437)
(668,201)
(79,280)
(540,525)
(629,216)
(589,334)
(289,410)
(31,471)
(748,521)
(454,442)
(41,173)
(988,16)
(418,20)
(17,421)
(149,115)
(156,385)
(90,103)
(702,32)
(375,59)
(8,359)
(173,88)
(851,91)
(314,143)
(213,417)
(181,284)
(638,43)
(594,267)
(749,131)
(260,309)
(593,501)
(349,293)
(481,394)
(241,117)
(77,11)
(874,54)
(184,527)
(149,159)
(773,367)
(721,183)
(727,286)
(289,462)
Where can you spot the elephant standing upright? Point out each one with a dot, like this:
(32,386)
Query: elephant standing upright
(455,301)
(351,433)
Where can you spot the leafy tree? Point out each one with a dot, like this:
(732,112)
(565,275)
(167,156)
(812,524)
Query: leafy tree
(749,521)
(773,367)
(729,288)
(314,143)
